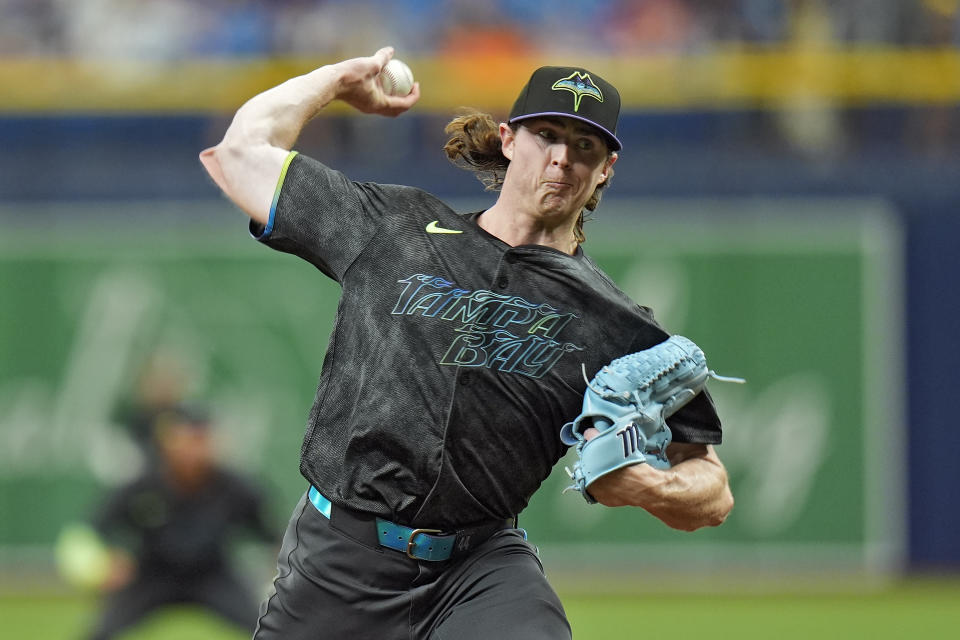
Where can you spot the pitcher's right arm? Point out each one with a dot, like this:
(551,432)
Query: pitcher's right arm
(247,163)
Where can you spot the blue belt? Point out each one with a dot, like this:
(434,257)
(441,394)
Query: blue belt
(419,544)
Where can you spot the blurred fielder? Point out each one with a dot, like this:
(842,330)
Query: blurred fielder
(165,534)
(458,352)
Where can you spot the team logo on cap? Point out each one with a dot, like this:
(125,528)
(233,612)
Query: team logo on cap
(579,84)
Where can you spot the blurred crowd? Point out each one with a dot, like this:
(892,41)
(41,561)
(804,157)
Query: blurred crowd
(175,29)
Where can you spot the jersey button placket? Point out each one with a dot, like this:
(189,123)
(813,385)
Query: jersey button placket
(503,281)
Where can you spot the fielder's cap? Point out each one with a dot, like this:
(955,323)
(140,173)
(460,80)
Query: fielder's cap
(571,92)
(188,415)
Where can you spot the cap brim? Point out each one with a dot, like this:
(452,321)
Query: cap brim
(615,144)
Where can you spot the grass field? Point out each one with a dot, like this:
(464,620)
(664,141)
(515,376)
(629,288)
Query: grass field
(918,609)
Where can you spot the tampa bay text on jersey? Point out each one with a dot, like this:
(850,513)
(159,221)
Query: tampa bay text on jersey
(498,331)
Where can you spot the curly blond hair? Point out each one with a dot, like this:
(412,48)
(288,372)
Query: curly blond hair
(475,145)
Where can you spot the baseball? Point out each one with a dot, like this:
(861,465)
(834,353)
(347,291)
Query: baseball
(396,79)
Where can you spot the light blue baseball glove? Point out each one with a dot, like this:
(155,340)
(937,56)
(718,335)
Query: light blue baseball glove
(628,402)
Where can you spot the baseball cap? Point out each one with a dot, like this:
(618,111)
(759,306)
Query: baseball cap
(571,92)
(188,415)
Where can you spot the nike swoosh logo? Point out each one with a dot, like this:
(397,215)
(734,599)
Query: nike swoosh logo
(433,228)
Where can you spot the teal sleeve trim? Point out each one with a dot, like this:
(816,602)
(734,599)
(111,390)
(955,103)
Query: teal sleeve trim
(267,230)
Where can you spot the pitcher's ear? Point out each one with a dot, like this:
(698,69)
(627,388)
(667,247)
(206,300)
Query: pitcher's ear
(507,139)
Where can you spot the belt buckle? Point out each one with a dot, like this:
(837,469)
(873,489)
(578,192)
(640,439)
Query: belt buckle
(410,542)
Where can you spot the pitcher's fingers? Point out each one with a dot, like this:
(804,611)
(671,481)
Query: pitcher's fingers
(398,104)
(383,56)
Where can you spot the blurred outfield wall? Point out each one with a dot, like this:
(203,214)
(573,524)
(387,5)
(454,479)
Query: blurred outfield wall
(114,238)
(793,295)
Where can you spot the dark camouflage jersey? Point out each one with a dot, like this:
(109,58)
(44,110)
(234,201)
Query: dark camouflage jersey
(455,359)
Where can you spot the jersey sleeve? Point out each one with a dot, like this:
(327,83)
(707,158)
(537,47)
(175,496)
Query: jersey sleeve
(697,421)
(320,215)
(111,519)
(252,513)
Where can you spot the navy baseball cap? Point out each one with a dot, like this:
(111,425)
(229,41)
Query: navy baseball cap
(571,92)
(189,415)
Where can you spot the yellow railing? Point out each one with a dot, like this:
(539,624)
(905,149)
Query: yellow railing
(726,79)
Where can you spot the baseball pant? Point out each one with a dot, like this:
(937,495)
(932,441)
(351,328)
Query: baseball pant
(332,585)
(219,592)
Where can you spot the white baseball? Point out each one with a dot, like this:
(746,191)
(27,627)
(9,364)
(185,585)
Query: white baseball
(396,79)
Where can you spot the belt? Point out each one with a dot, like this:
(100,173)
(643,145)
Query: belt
(418,543)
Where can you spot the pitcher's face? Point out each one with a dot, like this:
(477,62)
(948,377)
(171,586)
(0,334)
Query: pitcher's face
(557,162)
